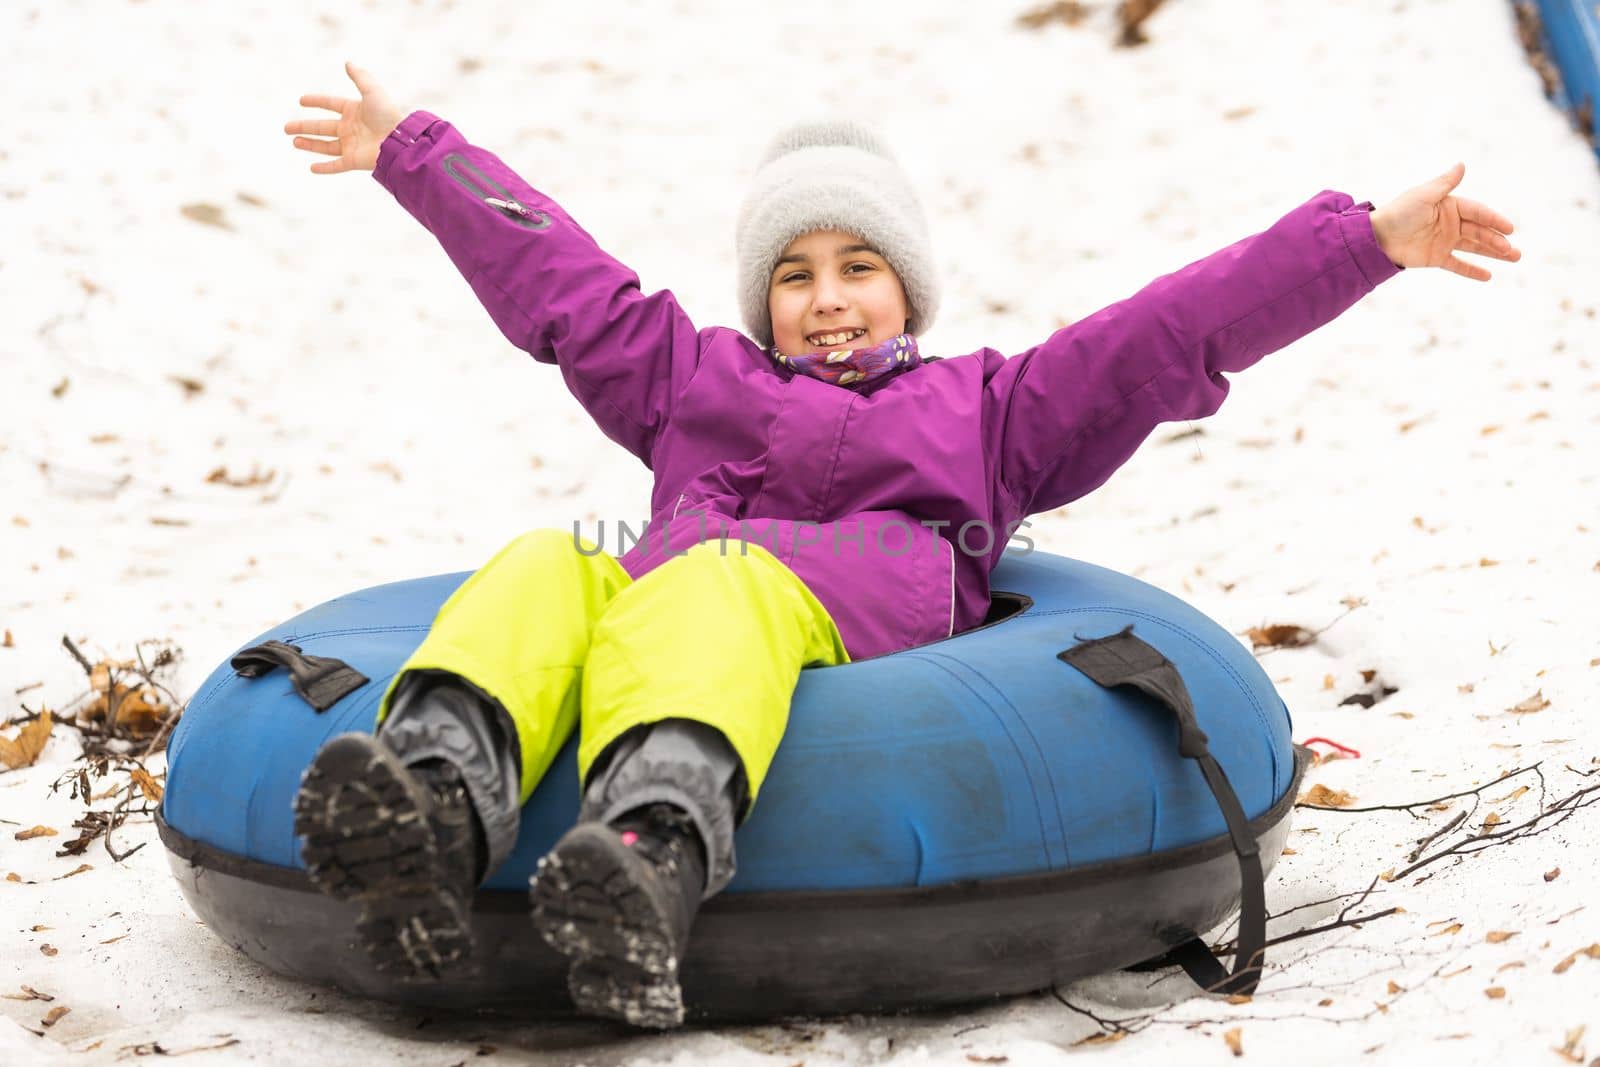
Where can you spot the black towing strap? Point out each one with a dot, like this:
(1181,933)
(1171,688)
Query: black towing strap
(321,680)
(1123,659)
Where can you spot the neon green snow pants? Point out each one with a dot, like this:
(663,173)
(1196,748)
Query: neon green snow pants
(563,637)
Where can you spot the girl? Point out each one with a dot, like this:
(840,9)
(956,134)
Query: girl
(822,493)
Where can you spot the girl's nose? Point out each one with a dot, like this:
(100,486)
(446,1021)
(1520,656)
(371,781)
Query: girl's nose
(828,296)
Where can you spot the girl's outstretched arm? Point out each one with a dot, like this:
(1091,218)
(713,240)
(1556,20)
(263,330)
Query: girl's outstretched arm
(544,281)
(1062,416)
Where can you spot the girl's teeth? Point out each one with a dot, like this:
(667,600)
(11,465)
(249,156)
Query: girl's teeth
(838,338)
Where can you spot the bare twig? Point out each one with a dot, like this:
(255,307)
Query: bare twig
(1431,838)
(1424,803)
(1562,810)
(88,668)
(1107,1026)
(119,814)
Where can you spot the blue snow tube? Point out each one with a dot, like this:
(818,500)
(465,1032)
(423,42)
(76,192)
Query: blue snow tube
(974,817)
(1568,32)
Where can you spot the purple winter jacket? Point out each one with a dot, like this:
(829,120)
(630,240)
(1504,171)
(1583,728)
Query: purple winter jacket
(864,492)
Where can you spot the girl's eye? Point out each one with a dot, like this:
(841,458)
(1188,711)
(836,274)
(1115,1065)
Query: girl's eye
(801,275)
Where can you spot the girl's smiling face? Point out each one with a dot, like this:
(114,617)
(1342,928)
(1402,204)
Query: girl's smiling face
(831,291)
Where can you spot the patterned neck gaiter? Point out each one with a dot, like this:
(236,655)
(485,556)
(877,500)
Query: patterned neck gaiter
(857,366)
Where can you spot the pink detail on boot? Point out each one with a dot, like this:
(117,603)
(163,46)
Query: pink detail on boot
(629,837)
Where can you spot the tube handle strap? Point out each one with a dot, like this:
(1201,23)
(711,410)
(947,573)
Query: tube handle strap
(1123,659)
(321,681)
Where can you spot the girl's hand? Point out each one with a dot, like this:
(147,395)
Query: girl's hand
(1426,226)
(357,132)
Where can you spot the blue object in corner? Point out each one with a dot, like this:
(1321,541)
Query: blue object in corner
(1572,40)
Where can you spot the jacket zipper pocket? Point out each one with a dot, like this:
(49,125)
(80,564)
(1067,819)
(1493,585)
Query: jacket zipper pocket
(497,196)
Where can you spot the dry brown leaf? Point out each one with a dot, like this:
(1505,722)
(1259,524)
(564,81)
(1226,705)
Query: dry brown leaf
(1235,1040)
(48,950)
(1280,635)
(1495,992)
(29,742)
(1509,966)
(52,1016)
(1102,1038)
(37,831)
(208,214)
(8,641)
(1593,952)
(254,478)
(29,993)
(76,870)
(1461,970)
(1325,1002)
(1327,681)
(1321,796)
(973,1057)
(113,940)
(1552,874)
(1395,987)
(1289,852)
(1240,998)
(13,876)
(1491,819)
(147,785)
(1068,12)
(1453,928)
(1569,1048)
(1495,937)
(1537,702)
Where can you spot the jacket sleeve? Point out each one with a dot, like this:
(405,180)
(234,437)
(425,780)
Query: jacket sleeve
(1062,416)
(544,281)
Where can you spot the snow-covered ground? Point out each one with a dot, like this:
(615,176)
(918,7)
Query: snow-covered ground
(1430,457)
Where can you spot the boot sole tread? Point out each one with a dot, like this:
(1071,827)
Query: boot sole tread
(366,839)
(587,907)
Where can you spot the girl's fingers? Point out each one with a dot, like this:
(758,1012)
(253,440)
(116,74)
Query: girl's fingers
(320,127)
(1460,266)
(1478,248)
(322,148)
(362,79)
(1492,242)
(332,103)
(1472,211)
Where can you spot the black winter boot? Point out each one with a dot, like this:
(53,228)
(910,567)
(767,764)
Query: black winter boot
(401,840)
(618,901)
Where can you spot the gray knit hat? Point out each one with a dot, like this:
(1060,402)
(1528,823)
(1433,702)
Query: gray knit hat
(832,175)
